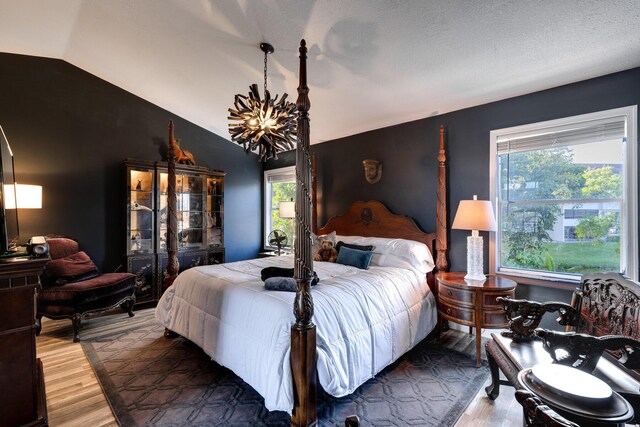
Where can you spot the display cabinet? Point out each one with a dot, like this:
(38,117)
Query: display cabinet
(200,214)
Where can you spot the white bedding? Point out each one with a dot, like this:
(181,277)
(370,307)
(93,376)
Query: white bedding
(365,320)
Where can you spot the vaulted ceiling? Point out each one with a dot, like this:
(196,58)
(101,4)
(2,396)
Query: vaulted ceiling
(372,63)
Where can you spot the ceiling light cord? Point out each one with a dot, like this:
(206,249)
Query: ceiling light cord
(265,73)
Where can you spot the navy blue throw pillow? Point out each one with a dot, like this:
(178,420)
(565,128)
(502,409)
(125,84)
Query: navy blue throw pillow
(342,244)
(275,272)
(280,284)
(268,272)
(354,257)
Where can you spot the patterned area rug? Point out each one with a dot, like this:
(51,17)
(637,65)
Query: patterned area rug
(150,380)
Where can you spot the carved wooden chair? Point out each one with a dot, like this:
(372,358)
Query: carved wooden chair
(537,414)
(602,319)
(73,288)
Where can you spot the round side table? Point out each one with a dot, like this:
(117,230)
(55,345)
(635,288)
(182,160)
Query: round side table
(473,302)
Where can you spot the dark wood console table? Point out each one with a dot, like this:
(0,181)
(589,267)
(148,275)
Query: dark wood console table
(512,358)
(604,340)
(23,401)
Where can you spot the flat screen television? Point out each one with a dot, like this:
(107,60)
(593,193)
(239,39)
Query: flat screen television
(8,213)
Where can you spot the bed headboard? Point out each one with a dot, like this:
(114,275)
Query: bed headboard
(373,219)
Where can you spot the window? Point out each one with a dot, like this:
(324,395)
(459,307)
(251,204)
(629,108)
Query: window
(580,213)
(279,186)
(565,194)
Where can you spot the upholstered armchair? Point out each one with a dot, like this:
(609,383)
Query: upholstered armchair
(72,287)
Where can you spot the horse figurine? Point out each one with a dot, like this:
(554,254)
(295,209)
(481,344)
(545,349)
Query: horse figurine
(182,156)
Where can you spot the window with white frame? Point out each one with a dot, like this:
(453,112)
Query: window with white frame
(279,187)
(566,196)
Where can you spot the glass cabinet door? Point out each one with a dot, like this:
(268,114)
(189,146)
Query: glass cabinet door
(162,212)
(140,209)
(190,208)
(214,212)
(190,212)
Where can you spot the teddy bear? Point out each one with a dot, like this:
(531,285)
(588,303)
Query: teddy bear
(326,252)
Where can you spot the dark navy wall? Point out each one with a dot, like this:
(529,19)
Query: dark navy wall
(70,131)
(408,153)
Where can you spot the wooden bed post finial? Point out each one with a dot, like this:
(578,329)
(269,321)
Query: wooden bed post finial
(303,332)
(441,208)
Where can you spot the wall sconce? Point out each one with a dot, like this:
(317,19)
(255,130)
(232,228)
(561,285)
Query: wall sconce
(27,196)
(475,215)
(372,170)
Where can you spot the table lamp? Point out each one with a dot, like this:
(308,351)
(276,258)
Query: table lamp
(287,210)
(475,215)
(27,196)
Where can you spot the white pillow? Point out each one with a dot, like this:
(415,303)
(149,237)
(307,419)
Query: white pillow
(391,261)
(395,252)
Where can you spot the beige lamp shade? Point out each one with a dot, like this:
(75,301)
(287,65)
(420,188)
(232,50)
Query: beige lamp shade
(27,196)
(287,209)
(475,215)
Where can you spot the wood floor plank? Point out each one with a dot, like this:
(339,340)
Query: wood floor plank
(75,398)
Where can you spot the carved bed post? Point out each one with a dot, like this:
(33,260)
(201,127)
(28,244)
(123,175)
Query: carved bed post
(314,196)
(303,332)
(172,219)
(441,208)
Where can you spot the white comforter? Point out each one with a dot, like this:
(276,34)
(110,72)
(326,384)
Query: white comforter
(365,320)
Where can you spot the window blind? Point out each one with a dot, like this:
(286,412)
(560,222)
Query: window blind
(284,176)
(606,129)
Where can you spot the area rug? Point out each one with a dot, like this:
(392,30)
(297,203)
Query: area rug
(151,380)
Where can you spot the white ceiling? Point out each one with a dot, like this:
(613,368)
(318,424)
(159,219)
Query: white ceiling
(372,63)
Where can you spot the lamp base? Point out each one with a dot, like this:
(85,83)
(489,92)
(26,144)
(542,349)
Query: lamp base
(475,277)
(475,264)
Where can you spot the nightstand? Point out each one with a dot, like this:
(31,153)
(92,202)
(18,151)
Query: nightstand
(24,402)
(473,302)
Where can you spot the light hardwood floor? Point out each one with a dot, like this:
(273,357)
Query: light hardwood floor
(75,398)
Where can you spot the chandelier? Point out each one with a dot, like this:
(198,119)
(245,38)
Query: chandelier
(269,125)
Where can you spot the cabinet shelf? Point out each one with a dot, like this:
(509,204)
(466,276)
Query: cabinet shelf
(200,204)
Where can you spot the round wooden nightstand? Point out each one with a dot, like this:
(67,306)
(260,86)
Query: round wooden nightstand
(473,302)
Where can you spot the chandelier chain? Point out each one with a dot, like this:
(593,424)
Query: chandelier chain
(265,72)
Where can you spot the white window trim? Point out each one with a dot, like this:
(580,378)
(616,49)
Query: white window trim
(267,200)
(630,205)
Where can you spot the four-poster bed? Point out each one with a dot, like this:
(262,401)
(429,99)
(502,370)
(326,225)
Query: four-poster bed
(366,318)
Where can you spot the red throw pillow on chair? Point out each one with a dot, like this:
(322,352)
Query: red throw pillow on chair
(72,268)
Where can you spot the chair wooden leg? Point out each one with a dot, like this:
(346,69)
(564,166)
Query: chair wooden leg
(493,390)
(76,320)
(352,421)
(168,333)
(38,324)
(128,306)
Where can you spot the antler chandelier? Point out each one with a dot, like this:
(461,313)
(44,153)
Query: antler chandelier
(269,125)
